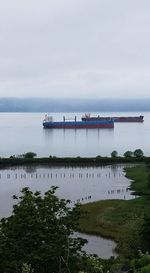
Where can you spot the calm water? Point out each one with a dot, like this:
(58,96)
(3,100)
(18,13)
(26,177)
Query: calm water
(22,132)
(77,184)
(104,248)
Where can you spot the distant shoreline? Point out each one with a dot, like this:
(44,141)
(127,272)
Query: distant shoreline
(73,105)
(69,161)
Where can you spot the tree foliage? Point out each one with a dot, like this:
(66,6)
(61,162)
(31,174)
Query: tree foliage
(148,183)
(128,154)
(138,153)
(145,232)
(26,268)
(114,153)
(29,155)
(38,233)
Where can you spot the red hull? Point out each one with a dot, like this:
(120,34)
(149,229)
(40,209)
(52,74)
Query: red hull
(97,126)
(116,119)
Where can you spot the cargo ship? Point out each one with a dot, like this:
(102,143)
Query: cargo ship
(88,117)
(74,124)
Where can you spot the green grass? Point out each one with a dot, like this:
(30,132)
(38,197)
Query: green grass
(139,175)
(110,218)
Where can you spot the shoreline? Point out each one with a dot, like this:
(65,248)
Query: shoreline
(113,219)
(69,161)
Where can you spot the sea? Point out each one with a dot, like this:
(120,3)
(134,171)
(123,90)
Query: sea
(23,132)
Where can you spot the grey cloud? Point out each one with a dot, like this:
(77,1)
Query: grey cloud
(75,48)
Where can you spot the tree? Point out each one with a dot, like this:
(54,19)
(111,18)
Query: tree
(145,232)
(38,233)
(29,155)
(141,263)
(138,153)
(148,184)
(114,154)
(128,154)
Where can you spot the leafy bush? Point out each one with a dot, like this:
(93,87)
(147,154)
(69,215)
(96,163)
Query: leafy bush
(138,153)
(39,233)
(128,154)
(114,153)
(29,155)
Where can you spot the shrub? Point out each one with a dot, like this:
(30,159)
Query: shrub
(38,233)
(128,154)
(114,154)
(29,155)
(138,153)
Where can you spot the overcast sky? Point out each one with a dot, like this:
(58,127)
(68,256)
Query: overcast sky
(75,48)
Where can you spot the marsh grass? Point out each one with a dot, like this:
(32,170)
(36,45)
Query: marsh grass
(115,218)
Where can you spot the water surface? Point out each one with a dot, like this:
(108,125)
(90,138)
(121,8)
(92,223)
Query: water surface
(104,248)
(76,184)
(23,132)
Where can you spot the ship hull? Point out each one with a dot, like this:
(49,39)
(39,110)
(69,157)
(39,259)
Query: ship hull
(115,119)
(128,119)
(79,125)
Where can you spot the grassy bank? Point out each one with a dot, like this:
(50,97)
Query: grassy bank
(110,217)
(69,161)
(116,219)
(139,177)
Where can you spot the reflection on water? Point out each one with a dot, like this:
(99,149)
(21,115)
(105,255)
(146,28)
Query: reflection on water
(30,169)
(82,139)
(77,184)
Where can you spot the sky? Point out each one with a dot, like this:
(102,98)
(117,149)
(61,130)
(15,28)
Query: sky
(75,48)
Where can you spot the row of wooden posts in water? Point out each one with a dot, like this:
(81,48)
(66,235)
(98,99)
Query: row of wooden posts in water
(58,175)
(118,191)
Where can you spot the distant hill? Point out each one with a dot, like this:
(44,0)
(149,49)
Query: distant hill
(72,105)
